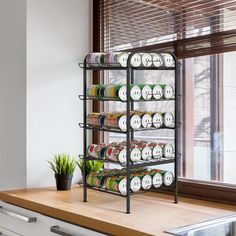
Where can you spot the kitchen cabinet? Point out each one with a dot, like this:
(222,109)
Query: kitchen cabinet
(28,223)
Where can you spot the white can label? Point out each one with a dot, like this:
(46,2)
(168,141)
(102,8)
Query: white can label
(146,59)
(135,93)
(122,186)
(168,178)
(135,122)
(168,119)
(157,60)
(136,60)
(135,184)
(122,123)
(146,92)
(168,151)
(146,121)
(157,92)
(157,180)
(146,153)
(168,92)
(157,152)
(122,93)
(135,154)
(123,58)
(122,156)
(157,120)
(147,182)
(168,60)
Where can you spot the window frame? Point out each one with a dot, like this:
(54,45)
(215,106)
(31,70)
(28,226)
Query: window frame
(205,190)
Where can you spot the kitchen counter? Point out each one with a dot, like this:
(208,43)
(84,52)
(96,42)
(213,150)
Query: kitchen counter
(151,213)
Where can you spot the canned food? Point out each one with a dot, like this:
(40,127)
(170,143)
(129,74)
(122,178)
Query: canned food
(168,60)
(135,92)
(157,119)
(157,59)
(117,184)
(96,119)
(96,179)
(116,120)
(93,59)
(135,183)
(156,150)
(136,60)
(169,120)
(96,151)
(157,91)
(116,154)
(101,91)
(146,119)
(168,91)
(135,154)
(120,58)
(168,151)
(156,179)
(146,91)
(135,121)
(146,59)
(92,90)
(146,152)
(109,91)
(146,181)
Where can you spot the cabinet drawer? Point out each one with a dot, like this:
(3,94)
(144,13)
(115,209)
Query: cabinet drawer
(28,223)
(5,232)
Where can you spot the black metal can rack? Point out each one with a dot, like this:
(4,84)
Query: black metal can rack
(130,132)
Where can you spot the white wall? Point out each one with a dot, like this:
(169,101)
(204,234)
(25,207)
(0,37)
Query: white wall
(58,37)
(12,94)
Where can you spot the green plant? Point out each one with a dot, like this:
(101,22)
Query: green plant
(63,164)
(91,166)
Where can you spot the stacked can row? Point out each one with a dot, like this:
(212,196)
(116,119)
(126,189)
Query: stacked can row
(138,119)
(137,91)
(139,151)
(115,180)
(137,59)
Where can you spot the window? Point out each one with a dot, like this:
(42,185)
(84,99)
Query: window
(203,36)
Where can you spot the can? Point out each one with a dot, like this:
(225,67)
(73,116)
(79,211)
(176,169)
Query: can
(96,151)
(157,119)
(168,60)
(146,91)
(116,58)
(96,119)
(167,176)
(120,91)
(157,91)
(117,184)
(168,150)
(146,59)
(136,60)
(146,152)
(93,90)
(168,120)
(96,179)
(135,92)
(116,120)
(95,59)
(116,154)
(101,91)
(146,181)
(146,119)
(109,91)
(157,60)
(135,121)
(156,179)
(135,154)
(168,91)
(135,183)
(156,150)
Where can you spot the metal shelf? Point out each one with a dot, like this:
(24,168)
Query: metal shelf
(82,97)
(113,130)
(134,165)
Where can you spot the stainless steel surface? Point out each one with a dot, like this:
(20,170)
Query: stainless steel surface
(56,229)
(17,216)
(224,226)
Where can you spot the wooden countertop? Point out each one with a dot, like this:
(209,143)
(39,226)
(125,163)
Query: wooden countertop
(152,213)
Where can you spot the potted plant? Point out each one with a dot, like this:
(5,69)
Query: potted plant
(91,166)
(63,166)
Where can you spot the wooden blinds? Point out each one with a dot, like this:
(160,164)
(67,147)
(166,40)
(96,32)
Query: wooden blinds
(194,26)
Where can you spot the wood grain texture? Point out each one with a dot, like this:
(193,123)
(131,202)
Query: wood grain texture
(152,213)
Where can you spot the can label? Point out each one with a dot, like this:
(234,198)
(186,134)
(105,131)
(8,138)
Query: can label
(156,179)
(121,92)
(135,92)
(157,151)
(146,121)
(146,181)
(146,59)
(157,120)
(168,151)
(117,184)
(96,151)
(116,121)
(146,92)
(95,119)
(116,154)
(157,91)
(169,91)
(169,120)
(168,60)
(135,154)
(123,58)
(136,60)
(135,121)
(135,184)
(146,153)
(157,60)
